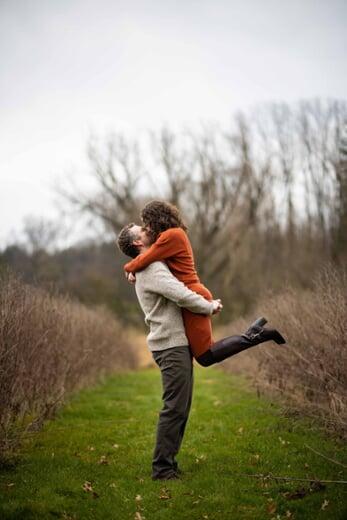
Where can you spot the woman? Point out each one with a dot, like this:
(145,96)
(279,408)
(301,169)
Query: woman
(163,222)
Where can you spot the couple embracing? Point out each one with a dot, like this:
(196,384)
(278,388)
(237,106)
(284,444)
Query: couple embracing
(178,309)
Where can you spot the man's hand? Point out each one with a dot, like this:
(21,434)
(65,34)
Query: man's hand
(130,277)
(217,306)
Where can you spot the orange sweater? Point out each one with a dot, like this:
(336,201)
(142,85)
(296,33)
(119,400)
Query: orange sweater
(174,247)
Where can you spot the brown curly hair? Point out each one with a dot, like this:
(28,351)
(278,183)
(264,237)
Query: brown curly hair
(160,216)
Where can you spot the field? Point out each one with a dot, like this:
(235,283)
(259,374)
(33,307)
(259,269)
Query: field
(94,460)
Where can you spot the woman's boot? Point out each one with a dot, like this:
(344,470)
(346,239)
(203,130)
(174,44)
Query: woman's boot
(227,347)
(257,334)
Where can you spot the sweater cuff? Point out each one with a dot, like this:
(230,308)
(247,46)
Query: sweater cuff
(211,308)
(126,267)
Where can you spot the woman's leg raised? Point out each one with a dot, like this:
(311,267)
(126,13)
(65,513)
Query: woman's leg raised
(207,352)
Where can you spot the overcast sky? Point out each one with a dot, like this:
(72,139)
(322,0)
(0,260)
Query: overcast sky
(71,67)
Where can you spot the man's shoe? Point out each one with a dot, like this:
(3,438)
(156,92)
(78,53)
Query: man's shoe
(171,476)
(177,469)
(257,334)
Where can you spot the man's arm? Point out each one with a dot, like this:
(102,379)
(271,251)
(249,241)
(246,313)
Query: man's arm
(160,280)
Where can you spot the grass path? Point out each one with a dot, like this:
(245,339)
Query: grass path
(105,437)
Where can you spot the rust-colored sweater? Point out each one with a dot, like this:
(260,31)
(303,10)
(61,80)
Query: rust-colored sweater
(174,247)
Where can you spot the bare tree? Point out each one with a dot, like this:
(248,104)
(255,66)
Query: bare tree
(340,222)
(41,234)
(284,135)
(117,171)
(255,168)
(317,137)
(175,163)
(211,202)
(238,191)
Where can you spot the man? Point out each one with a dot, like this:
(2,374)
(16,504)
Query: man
(160,295)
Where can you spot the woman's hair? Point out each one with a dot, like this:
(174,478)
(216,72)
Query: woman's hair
(160,216)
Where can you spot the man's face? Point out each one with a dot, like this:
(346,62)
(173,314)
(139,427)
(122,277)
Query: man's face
(142,235)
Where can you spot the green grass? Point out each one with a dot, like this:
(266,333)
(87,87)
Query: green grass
(230,431)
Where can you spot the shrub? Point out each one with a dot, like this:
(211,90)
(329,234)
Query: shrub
(49,347)
(310,371)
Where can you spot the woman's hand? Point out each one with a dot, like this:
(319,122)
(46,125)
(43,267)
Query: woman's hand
(217,306)
(130,277)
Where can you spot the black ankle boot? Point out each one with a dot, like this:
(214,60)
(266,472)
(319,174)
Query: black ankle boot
(256,327)
(257,334)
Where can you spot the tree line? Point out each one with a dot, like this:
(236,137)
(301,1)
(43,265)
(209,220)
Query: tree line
(265,200)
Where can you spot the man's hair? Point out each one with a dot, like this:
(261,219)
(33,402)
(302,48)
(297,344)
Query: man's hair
(160,216)
(126,239)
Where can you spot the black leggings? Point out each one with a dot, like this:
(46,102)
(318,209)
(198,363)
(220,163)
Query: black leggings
(223,349)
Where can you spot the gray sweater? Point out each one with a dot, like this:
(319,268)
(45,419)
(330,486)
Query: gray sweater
(160,294)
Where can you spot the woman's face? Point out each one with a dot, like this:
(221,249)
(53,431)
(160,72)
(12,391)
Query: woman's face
(146,227)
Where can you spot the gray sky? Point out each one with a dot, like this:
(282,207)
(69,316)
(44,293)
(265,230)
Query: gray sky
(71,67)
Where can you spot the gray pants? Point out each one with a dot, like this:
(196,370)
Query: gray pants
(176,368)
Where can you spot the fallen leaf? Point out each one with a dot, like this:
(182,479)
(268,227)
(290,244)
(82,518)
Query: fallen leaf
(301,492)
(217,403)
(200,457)
(165,494)
(65,516)
(325,505)
(103,460)
(298,493)
(255,459)
(87,486)
(289,514)
(91,448)
(115,445)
(138,516)
(240,430)
(113,485)
(11,484)
(271,507)
(138,498)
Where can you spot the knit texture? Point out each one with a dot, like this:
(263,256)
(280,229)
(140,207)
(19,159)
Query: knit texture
(160,295)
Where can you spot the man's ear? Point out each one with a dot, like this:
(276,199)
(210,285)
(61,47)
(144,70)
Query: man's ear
(138,242)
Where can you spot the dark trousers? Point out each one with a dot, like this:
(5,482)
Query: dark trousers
(177,380)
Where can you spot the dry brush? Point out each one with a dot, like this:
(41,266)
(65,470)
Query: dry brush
(49,347)
(310,371)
